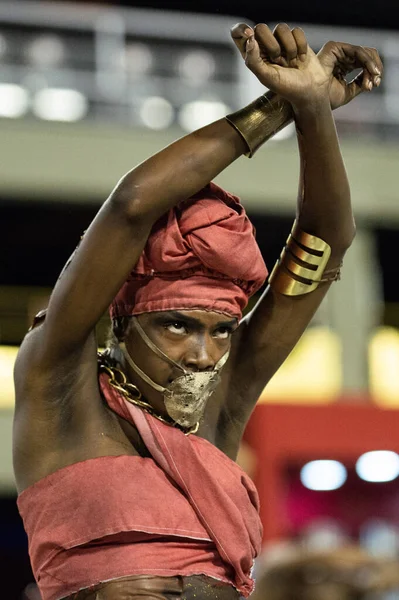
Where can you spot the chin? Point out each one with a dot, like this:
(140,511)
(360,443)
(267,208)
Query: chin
(154,398)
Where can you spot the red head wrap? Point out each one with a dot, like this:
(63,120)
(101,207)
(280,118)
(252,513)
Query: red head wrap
(202,254)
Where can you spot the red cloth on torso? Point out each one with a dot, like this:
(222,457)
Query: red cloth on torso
(187,510)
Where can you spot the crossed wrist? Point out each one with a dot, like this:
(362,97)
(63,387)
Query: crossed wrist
(260,120)
(312,107)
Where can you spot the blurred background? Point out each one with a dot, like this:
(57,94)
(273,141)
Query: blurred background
(88,90)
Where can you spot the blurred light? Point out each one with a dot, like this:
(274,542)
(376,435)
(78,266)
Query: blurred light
(324,534)
(200,113)
(323,475)
(197,66)
(380,538)
(58,104)
(311,374)
(3,46)
(157,112)
(384,361)
(14,100)
(8,355)
(378,466)
(137,59)
(46,51)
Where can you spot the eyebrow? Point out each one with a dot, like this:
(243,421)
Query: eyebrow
(175,314)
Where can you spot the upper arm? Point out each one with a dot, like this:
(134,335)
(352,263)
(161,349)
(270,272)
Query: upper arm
(99,266)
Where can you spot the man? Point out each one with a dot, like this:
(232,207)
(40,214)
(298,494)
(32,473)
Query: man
(118,499)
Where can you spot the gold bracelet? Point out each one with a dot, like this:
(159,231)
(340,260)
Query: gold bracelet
(301,266)
(260,120)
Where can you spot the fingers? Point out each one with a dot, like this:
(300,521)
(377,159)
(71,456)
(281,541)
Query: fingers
(344,58)
(253,59)
(240,34)
(286,39)
(283,46)
(363,59)
(375,57)
(301,42)
(244,38)
(366,80)
(355,87)
(369,59)
(268,44)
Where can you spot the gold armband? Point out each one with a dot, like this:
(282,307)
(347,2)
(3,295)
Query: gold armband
(302,263)
(260,120)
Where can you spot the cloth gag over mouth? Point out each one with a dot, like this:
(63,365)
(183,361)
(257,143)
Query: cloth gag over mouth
(202,254)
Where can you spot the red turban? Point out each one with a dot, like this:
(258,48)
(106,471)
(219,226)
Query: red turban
(202,254)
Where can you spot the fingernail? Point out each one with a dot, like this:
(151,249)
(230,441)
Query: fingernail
(293,62)
(302,57)
(369,85)
(248,32)
(376,70)
(377,81)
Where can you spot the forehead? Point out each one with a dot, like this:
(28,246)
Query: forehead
(207,318)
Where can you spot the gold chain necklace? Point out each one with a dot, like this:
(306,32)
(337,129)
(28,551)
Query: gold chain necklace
(117,379)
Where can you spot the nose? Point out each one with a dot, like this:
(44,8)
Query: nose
(199,356)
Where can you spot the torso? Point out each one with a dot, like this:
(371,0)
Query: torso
(63,419)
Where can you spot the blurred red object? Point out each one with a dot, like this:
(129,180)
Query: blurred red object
(285,437)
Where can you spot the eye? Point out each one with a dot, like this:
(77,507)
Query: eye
(223,333)
(177,327)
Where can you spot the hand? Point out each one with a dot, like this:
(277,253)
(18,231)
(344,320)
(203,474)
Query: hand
(344,58)
(283,62)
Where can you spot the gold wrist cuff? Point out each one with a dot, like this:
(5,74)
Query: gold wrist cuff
(260,120)
(302,263)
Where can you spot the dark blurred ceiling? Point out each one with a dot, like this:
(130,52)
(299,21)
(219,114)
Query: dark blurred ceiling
(356,13)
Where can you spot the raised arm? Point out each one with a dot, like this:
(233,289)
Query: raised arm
(272,329)
(114,241)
